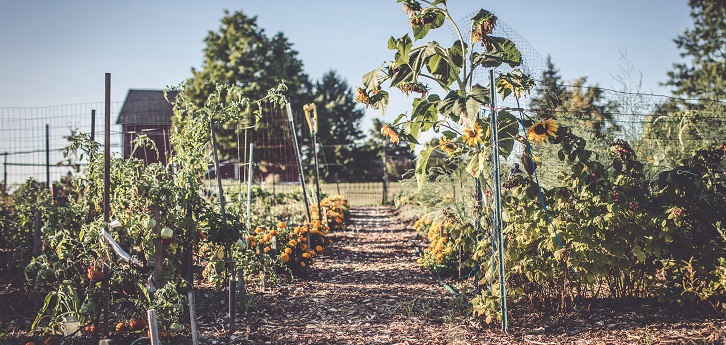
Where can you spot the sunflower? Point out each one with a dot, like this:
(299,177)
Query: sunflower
(390,133)
(473,135)
(361,96)
(483,24)
(446,145)
(410,7)
(539,131)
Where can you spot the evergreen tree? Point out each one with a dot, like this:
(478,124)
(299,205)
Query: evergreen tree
(549,94)
(703,75)
(338,124)
(678,128)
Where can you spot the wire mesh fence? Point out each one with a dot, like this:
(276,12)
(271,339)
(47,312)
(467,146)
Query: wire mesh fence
(34,139)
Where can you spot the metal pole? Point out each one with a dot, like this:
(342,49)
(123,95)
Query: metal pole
(153,327)
(5,170)
(47,156)
(36,232)
(337,182)
(107,190)
(93,124)
(216,169)
(498,204)
(317,180)
(299,161)
(385,178)
(232,303)
(250,171)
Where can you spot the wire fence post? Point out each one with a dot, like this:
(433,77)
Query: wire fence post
(47,156)
(36,232)
(384,199)
(93,124)
(5,170)
(498,204)
(107,192)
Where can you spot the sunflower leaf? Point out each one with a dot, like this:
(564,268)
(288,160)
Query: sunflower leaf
(473,168)
(380,101)
(508,130)
(421,163)
(370,79)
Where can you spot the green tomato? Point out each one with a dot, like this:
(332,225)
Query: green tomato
(241,245)
(88,308)
(150,223)
(167,233)
(175,328)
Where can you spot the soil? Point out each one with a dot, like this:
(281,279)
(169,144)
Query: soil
(367,288)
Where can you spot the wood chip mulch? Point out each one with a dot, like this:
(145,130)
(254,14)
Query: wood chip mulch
(367,288)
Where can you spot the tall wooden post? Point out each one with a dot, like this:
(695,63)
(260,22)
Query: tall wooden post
(93,124)
(107,192)
(291,121)
(47,156)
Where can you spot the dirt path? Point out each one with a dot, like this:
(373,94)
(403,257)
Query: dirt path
(366,289)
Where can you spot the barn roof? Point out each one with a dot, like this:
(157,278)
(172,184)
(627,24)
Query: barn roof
(146,107)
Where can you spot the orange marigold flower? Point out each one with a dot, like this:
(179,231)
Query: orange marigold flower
(302,264)
(267,249)
(319,248)
(288,250)
(306,255)
(292,243)
(259,230)
(285,258)
(281,225)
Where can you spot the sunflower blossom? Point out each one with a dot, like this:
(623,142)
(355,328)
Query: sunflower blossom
(446,145)
(539,131)
(473,135)
(390,133)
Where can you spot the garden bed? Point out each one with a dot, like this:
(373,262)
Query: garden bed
(369,289)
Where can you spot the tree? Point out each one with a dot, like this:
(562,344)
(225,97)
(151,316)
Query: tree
(338,124)
(678,128)
(704,74)
(586,106)
(549,94)
(240,53)
(399,157)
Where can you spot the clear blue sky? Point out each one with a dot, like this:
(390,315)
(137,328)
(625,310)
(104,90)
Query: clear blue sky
(56,52)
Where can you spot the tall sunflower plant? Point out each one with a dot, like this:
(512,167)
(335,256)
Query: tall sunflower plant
(457,113)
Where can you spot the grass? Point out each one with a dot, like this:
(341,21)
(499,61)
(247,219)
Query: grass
(357,193)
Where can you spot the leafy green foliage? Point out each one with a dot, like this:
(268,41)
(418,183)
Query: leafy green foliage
(702,75)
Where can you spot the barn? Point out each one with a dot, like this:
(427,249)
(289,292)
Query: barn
(146,112)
